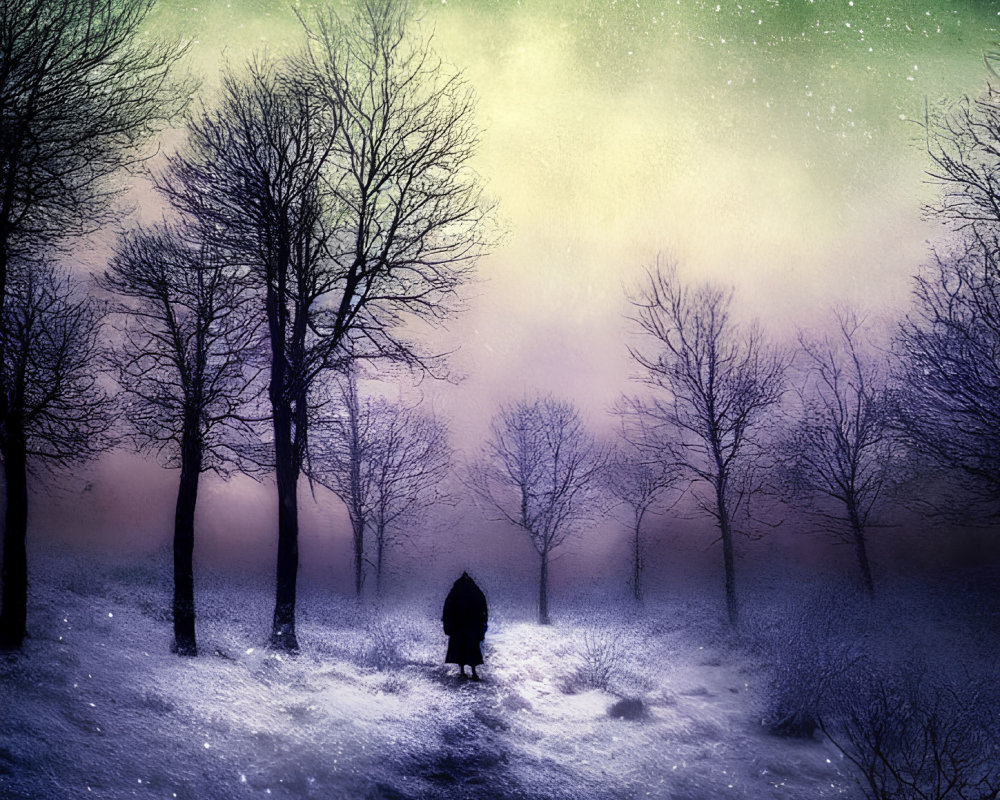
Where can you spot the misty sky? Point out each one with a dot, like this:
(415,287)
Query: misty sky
(767,144)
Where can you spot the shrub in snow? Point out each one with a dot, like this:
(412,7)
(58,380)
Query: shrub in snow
(599,662)
(392,684)
(383,646)
(813,658)
(910,738)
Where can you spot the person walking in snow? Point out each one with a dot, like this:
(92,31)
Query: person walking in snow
(465,621)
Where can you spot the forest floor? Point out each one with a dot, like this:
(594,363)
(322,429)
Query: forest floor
(602,704)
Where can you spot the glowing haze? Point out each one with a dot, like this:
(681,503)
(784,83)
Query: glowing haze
(768,144)
(772,145)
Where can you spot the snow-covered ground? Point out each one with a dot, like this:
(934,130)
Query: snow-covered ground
(666,706)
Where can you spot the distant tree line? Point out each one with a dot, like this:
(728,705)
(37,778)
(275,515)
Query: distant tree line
(321,204)
(854,423)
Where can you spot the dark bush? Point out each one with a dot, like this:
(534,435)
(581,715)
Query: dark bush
(813,655)
(631,708)
(911,738)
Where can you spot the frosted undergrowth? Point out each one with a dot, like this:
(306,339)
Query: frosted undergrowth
(97,706)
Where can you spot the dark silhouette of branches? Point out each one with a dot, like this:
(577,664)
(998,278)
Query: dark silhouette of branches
(949,342)
(412,212)
(185,361)
(80,92)
(716,384)
(56,412)
(340,180)
(949,348)
(964,146)
(540,471)
(908,739)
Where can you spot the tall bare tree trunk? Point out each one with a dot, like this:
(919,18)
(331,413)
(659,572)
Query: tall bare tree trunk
(283,630)
(356,503)
(14,610)
(187,497)
(285,463)
(637,562)
(543,590)
(14,600)
(728,554)
(358,535)
(379,559)
(861,551)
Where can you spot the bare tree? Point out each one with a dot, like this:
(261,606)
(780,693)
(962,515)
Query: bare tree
(339,268)
(411,458)
(57,413)
(80,92)
(184,360)
(950,367)
(540,471)
(640,480)
(950,340)
(842,453)
(342,460)
(717,382)
(250,175)
(386,462)
(413,216)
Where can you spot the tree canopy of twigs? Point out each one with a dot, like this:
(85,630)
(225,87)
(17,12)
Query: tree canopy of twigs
(962,143)
(949,341)
(52,368)
(948,346)
(413,217)
(188,353)
(80,94)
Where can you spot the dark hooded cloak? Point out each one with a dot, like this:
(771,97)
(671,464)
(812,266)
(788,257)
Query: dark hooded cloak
(465,617)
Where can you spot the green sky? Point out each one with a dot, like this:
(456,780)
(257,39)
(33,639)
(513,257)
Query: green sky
(767,144)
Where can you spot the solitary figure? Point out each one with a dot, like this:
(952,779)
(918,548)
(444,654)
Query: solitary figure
(465,617)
